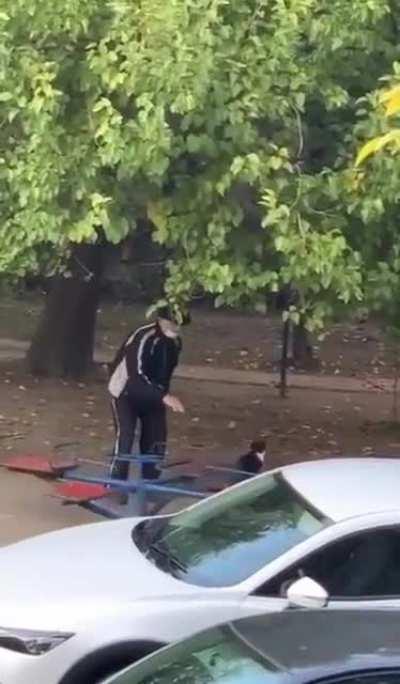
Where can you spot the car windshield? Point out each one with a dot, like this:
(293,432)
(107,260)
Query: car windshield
(219,655)
(226,539)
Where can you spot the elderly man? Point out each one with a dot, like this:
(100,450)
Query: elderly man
(139,386)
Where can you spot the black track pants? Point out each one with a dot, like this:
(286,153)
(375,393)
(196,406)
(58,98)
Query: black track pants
(127,412)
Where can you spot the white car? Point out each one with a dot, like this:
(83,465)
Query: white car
(78,604)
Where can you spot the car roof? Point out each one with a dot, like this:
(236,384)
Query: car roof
(321,643)
(346,487)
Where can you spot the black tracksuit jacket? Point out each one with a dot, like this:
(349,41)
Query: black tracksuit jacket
(144,365)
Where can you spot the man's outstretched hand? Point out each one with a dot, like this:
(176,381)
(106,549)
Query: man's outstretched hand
(174,403)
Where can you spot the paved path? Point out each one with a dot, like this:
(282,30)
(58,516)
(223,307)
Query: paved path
(27,509)
(326,383)
(11,350)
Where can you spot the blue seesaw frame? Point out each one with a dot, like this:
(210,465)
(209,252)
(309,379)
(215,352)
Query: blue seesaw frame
(141,492)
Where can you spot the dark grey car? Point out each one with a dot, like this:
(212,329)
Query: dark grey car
(294,647)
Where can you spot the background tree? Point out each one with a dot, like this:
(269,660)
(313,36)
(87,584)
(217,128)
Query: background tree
(374,201)
(328,60)
(216,122)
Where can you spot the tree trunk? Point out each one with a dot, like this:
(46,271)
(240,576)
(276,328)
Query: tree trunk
(302,348)
(64,341)
(284,360)
(395,395)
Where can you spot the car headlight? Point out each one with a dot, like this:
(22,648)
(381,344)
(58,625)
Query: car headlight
(31,642)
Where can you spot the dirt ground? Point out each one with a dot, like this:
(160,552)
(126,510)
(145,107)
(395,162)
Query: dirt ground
(65,418)
(62,418)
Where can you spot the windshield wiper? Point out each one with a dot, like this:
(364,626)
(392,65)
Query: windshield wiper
(168,557)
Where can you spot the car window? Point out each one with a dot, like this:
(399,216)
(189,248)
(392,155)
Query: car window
(226,539)
(219,655)
(360,566)
(392,677)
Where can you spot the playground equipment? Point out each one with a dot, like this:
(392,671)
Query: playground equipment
(88,484)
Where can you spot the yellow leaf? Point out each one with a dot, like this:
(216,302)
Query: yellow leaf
(391,100)
(377,144)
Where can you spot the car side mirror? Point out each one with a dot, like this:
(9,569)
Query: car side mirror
(306,593)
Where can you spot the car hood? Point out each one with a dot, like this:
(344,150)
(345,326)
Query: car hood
(63,579)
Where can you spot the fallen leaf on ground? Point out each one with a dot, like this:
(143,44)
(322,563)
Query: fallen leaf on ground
(12,435)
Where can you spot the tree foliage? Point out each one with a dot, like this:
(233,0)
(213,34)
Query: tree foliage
(374,199)
(390,100)
(377,197)
(223,122)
